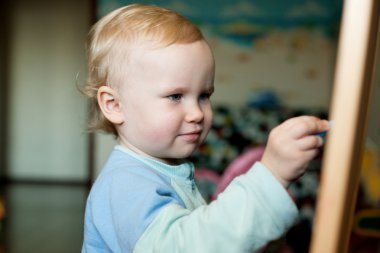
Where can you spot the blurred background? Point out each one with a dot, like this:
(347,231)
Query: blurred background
(275,60)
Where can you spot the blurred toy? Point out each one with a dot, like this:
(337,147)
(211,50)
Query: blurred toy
(2,211)
(207,181)
(264,99)
(238,167)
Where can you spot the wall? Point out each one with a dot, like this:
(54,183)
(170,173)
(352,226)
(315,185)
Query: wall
(296,64)
(47,137)
(3,87)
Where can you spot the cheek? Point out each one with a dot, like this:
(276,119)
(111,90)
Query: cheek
(162,126)
(157,135)
(209,116)
(208,119)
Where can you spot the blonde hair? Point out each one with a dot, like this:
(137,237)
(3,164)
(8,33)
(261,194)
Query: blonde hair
(111,37)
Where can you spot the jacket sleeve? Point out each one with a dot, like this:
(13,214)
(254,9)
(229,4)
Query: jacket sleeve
(254,210)
(121,205)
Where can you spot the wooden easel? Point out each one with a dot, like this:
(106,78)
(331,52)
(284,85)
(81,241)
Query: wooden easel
(349,110)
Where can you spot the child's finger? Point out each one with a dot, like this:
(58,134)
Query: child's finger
(308,126)
(311,154)
(310,142)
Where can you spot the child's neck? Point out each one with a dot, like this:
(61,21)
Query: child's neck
(169,161)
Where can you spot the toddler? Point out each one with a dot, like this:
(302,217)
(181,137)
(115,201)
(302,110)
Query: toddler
(150,79)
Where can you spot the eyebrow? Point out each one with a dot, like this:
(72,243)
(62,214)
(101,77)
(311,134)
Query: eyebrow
(211,88)
(177,89)
(180,89)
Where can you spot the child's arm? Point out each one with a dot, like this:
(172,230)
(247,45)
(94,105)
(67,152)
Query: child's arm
(134,210)
(292,145)
(253,210)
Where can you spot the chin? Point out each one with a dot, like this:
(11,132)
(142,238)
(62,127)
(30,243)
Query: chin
(184,155)
(182,152)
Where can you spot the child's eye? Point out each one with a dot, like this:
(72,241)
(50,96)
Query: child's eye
(175,97)
(205,96)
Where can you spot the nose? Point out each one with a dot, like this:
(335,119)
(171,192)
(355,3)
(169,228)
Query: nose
(194,113)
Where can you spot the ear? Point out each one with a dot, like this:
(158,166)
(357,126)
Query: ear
(109,103)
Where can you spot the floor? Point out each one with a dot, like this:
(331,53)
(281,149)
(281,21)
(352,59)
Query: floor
(43,218)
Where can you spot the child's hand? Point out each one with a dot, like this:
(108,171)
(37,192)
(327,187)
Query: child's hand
(292,145)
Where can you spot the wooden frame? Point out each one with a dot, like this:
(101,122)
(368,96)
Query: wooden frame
(349,110)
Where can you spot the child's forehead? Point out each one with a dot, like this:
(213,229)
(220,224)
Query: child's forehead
(173,56)
(174,62)
(148,47)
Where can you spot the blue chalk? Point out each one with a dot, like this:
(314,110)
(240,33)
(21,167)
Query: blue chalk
(323,134)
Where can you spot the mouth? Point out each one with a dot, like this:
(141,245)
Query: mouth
(191,136)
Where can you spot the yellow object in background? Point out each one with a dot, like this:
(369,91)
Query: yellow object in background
(2,210)
(370,174)
(2,216)
(367,221)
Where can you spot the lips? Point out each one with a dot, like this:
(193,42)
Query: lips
(191,136)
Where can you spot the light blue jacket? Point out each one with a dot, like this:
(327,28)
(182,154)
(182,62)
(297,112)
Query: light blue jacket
(141,205)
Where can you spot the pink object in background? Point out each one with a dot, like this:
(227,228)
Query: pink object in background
(238,167)
(207,174)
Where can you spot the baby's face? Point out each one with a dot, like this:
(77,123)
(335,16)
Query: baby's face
(166,100)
